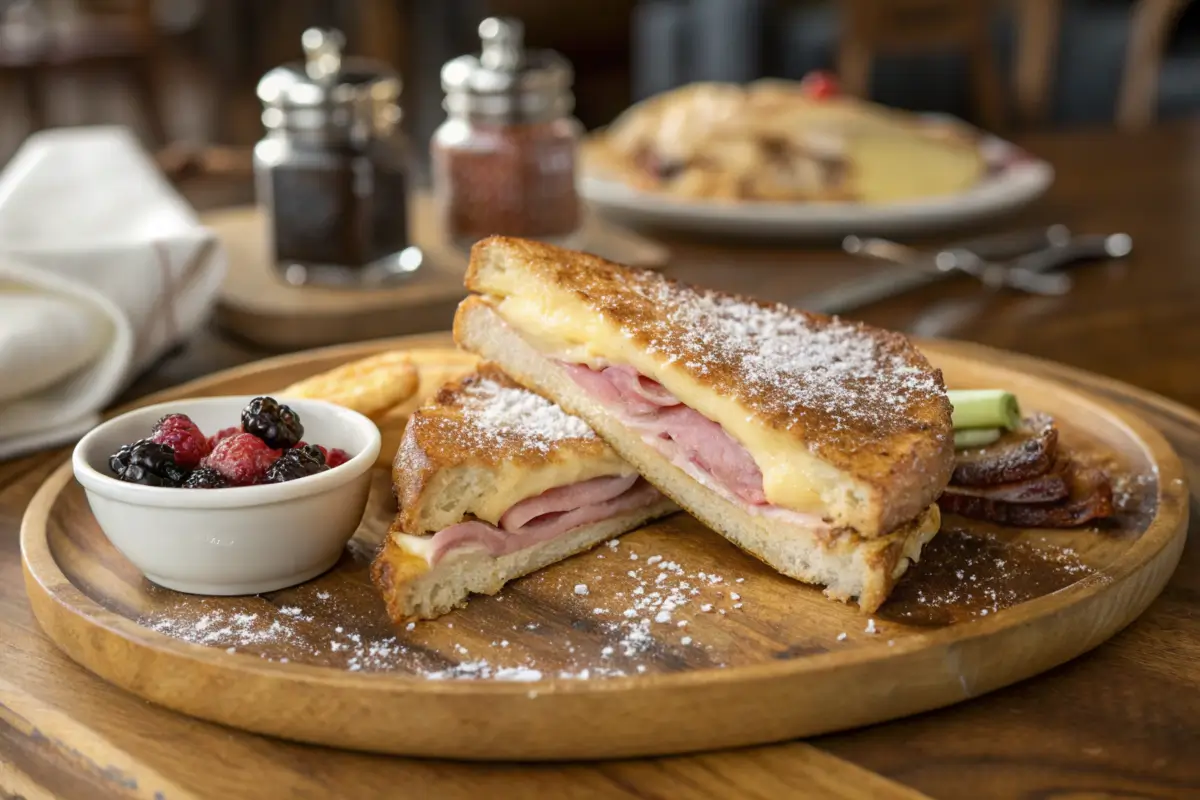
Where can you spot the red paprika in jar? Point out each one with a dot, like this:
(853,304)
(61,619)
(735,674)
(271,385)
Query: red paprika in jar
(504,159)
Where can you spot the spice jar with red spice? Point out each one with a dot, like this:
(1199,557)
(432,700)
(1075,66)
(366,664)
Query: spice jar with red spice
(504,159)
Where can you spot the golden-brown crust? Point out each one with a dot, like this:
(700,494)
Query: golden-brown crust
(392,568)
(369,386)
(449,431)
(863,399)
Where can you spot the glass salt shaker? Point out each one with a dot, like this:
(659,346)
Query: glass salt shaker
(504,159)
(332,169)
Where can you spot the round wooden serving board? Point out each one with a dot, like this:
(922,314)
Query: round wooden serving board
(545,671)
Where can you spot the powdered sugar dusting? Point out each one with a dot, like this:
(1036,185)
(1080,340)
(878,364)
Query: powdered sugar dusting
(825,375)
(792,364)
(508,412)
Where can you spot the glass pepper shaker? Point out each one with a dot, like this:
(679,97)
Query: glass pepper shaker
(332,169)
(504,159)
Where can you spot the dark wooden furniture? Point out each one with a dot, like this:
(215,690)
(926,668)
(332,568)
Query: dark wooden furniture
(1038,27)
(1121,721)
(1151,26)
(108,35)
(874,27)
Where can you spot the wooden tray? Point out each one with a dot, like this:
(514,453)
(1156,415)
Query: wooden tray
(256,305)
(528,674)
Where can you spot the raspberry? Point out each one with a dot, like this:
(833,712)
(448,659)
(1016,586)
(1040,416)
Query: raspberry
(242,459)
(183,436)
(224,433)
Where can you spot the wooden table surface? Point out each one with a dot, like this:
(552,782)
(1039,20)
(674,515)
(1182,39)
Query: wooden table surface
(1121,721)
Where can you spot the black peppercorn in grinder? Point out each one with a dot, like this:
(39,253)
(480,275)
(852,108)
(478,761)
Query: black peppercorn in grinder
(331,171)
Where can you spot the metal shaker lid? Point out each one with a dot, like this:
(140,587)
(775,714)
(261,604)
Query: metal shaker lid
(329,89)
(506,80)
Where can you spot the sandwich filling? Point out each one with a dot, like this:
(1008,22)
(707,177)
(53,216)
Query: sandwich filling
(490,467)
(540,519)
(685,436)
(762,404)
(688,439)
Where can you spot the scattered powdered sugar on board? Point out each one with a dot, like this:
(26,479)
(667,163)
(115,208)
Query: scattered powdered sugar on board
(657,614)
(962,575)
(646,619)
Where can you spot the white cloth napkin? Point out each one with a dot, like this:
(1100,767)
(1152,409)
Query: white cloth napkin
(103,268)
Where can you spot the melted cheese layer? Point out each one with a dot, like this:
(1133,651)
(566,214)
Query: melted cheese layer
(560,325)
(511,483)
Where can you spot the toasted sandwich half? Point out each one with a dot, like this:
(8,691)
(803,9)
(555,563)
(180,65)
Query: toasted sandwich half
(495,482)
(817,445)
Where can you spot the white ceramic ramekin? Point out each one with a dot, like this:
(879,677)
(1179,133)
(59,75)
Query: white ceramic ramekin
(239,540)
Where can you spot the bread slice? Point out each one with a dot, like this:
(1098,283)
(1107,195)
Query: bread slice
(480,448)
(849,425)
(414,588)
(483,444)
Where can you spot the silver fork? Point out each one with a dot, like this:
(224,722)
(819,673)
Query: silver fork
(1029,273)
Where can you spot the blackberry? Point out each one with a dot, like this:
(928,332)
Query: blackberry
(299,462)
(205,478)
(276,424)
(147,463)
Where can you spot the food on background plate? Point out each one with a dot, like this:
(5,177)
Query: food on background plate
(815,444)
(494,482)
(267,448)
(781,141)
(1012,471)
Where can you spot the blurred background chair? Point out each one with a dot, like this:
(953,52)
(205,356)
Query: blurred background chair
(1150,32)
(871,29)
(1057,61)
(183,72)
(42,39)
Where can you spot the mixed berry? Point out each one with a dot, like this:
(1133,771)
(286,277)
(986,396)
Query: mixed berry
(267,448)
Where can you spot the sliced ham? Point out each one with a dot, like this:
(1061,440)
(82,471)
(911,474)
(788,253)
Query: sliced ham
(624,386)
(682,434)
(708,446)
(566,498)
(638,390)
(550,524)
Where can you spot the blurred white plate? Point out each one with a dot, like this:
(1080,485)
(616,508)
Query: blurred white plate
(1016,180)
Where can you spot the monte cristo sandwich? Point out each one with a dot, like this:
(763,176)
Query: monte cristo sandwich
(495,482)
(817,445)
